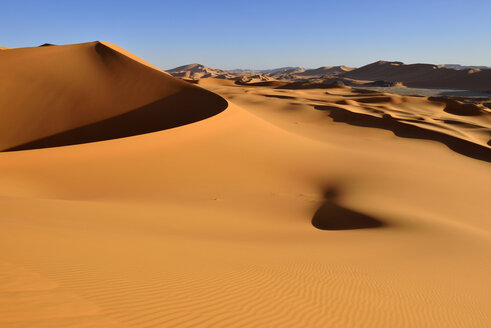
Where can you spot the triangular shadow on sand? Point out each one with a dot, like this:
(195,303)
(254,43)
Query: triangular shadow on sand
(331,216)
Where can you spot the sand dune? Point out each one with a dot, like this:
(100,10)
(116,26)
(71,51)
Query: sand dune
(325,70)
(198,71)
(463,127)
(288,208)
(378,74)
(195,72)
(291,74)
(424,75)
(113,95)
(297,78)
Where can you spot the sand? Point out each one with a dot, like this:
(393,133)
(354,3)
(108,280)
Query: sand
(264,207)
(424,75)
(194,72)
(396,75)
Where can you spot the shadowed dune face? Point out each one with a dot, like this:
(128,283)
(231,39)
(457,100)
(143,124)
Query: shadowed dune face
(458,108)
(271,84)
(162,114)
(401,129)
(309,85)
(113,96)
(435,119)
(332,216)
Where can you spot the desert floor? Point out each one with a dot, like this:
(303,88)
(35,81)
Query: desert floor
(281,208)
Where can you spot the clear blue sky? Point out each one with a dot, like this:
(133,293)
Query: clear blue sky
(261,34)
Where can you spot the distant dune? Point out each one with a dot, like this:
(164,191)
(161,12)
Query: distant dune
(378,74)
(292,74)
(235,202)
(198,71)
(326,70)
(457,66)
(424,75)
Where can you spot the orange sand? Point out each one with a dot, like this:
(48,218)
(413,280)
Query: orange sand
(271,208)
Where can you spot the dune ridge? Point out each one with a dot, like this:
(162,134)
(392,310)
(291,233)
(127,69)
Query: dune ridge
(115,91)
(424,75)
(197,71)
(379,74)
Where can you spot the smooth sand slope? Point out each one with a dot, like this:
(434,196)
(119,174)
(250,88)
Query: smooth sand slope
(273,212)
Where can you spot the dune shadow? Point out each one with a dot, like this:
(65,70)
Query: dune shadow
(331,216)
(458,108)
(404,130)
(272,84)
(280,97)
(363,91)
(185,107)
(308,85)
(370,100)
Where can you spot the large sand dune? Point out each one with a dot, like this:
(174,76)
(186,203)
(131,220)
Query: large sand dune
(60,95)
(290,208)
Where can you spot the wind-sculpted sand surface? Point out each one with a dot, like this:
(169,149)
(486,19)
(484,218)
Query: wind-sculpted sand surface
(151,202)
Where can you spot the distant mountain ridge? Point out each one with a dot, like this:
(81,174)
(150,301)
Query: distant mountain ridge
(457,66)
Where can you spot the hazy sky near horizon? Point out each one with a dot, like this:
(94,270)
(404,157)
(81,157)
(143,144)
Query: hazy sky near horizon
(261,34)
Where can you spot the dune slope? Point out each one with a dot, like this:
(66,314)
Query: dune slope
(60,95)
